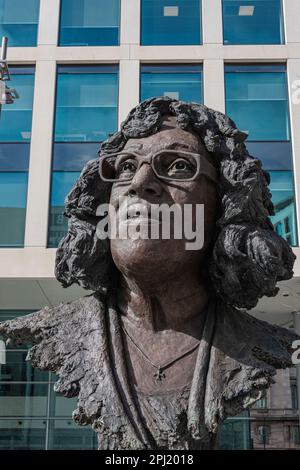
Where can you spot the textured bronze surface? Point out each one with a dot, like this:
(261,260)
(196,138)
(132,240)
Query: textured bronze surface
(182,308)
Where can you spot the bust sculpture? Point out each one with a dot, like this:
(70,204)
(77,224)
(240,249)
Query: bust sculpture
(163,350)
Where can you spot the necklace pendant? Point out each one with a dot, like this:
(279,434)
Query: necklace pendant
(159,375)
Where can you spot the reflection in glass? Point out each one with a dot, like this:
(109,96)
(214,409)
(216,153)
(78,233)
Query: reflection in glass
(14,156)
(19,399)
(13,196)
(62,183)
(19,21)
(61,407)
(283,198)
(274,155)
(89,23)
(69,156)
(234,434)
(17,369)
(253,22)
(86,106)
(180,82)
(22,434)
(170,22)
(258,104)
(16,118)
(65,434)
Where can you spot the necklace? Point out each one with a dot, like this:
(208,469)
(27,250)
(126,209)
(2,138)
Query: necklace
(159,375)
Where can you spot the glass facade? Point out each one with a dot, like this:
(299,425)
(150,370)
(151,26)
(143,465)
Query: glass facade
(86,113)
(170,22)
(15,133)
(183,82)
(254,22)
(257,100)
(19,21)
(89,23)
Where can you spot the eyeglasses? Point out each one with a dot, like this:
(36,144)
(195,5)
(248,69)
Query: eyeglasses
(167,165)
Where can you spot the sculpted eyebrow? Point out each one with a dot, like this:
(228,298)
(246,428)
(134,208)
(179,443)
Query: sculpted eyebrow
(171,146)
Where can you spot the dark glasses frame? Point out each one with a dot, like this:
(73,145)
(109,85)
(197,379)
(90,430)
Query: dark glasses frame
(203,166)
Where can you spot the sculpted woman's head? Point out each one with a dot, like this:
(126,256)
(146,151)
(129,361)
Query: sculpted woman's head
(242,258)
(155,259)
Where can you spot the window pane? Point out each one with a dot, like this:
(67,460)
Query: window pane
(16,118)
(258,104)
(283,198)
(86,106)
(73,156)
(89,23)
(61,407)
(14,157)
(234,433)
(28,399)
(274,155)
(254,22)
(19,21)
(65,434)
(17,369)
(15,133)
(264,434)
(22,434)
(171,22)
(13,196)
(62,183)
(86,114)
(178,82)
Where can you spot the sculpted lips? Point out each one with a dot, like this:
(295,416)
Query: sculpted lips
(139,211)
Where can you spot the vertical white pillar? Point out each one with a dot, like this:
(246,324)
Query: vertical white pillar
(129,70)
(40,155)
(130,22)
(129,86)
(212,24)
(48,22)
(214,84)
(292,17)
(293,69)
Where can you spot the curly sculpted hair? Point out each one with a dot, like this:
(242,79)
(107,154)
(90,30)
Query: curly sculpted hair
(248,257)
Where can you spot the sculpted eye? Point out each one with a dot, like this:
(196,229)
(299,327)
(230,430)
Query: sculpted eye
(179,166)
(125,167)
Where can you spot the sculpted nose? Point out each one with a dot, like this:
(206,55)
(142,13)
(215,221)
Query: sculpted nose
(145,183)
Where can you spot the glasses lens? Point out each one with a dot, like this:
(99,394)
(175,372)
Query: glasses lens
(175,165)
(119,168)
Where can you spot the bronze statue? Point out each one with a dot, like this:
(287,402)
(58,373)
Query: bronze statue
(163,350)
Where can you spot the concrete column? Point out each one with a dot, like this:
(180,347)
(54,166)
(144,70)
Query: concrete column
(291,10)
(40,155)
(214,86)
(296,316)
(129,86)
(293,70)
(48,22)
(212,24)
(130,22)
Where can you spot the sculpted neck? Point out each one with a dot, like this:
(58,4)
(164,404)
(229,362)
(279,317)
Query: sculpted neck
(175,303)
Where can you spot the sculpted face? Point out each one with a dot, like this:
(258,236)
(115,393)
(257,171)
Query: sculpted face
(163,256)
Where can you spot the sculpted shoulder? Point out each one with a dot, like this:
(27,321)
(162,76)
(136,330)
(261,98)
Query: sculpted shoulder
(62,338)
(41,325)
